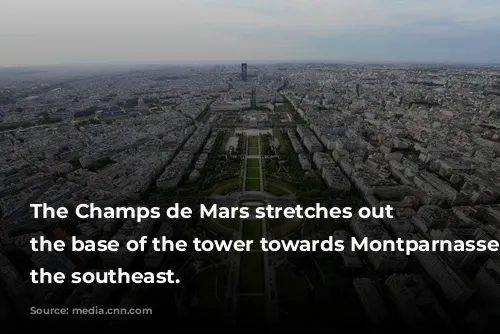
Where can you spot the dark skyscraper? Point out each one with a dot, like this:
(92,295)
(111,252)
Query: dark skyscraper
(244,71)
(253,99)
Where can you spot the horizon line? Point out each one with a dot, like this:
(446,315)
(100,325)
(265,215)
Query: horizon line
(260,62)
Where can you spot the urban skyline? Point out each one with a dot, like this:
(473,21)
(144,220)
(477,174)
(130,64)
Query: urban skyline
(422,139)
(246,105)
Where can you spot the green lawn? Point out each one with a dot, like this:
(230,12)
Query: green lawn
(253,173)
(252,230)
(253,151)
(253,141)
(253,163)
(252,272)
(252,185)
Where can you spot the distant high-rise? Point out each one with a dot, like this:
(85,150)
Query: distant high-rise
(253,99)
(244,71)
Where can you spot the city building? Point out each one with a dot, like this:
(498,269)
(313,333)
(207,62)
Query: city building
(417,305)
(244,72)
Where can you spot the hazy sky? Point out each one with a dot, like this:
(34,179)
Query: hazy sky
(94,31)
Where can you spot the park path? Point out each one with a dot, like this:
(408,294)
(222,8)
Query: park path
(252,285)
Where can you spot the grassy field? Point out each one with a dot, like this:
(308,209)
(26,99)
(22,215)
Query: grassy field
(252,185)
(252,230)
(253,163)
(253,151)
(252,272)
(253,173)
(253,141)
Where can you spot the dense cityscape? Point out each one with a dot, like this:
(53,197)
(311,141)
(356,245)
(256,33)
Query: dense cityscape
(424,139)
